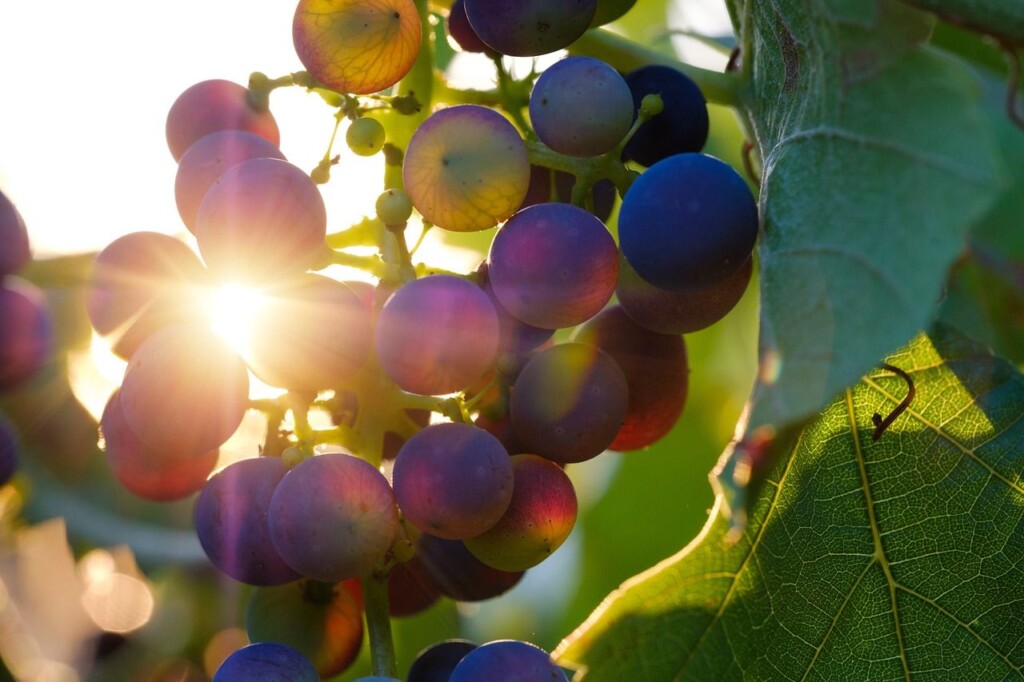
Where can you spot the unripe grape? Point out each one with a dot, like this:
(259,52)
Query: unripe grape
(394,207)
(365,136)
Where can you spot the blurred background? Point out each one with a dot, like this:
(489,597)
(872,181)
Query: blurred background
(96,584)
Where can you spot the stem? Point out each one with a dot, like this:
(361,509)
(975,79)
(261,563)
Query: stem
(378,624)
(625,56)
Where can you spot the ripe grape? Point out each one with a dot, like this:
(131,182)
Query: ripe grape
(682,125)
(453,481)
(553,265)
(231,521)
(9,449)
(313,333)
(462,34)
(459,574)
(266,662)
(527,28)
(581,106)
(436,662)
(515,337)
(213,105)
(410,588)
(569,402)
(262,219)
(184,391)
(507,661)
(466,168)
(539,518)
(609,10)
(159,475)
(26,331)
(437,334)
(323,621)
(206,160)
(656,371)
(679,312)
(333,517)
(15,251)
(357,46)
(687,222)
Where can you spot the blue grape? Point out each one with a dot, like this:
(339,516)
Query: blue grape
(581,106)
(266,662)
(507,660)
(688,222)
(459,574)
(682,125)
(436,662)
(26,331)
(15,250)
(461,32)
(527,28)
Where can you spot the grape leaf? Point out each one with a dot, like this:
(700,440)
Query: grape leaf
(1003,18)
(862,559)
(877,159)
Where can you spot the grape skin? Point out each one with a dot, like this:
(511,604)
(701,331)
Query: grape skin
(436,662)
(507,661)
(682,125)
(15,250)
(213,105)
(231,522)
(459,574)
(528,28)
(266,662)
(26,331)
(453,481)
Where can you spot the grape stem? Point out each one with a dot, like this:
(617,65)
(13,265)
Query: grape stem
(378,624)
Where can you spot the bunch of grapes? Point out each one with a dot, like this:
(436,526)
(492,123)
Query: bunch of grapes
(457,400)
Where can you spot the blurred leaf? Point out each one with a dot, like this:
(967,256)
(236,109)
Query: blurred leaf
(863,559)
(997,17)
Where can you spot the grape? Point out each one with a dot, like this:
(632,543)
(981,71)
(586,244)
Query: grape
(688,222)
(158,475)
(393,207)
(436,662)
(553,265)
(214,105)
(15,250)
(261,220)
(466,168)
(527,28)
(682,125)
(410,589)
(357,46)
(9,447)
(184,391)
(462,34)
(515,337)
(539,518)
(679,312)
(656,371)
(609,10)
(231,521)
(266,662)
(365,136)
(141,282)
(459,574)
(333,517)
(322,621)
(542,190)
(581,106)
(437,334)
(453,480)
(206,160)
(507,661)
(569,402)
(26,331)
(313,333)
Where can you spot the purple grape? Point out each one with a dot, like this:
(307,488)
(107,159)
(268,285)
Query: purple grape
(437,334)
(9,448)
(679,312)
(231,522)
(333,517)
(206,160)
(436,662)
(459,574)
(682,125)
(411,590)
(527,28)
(507,661)
(263,219)
(610,10)
(15,250)
(462,34)
(153,474)
(515,337)
(569,402)
(266,662)
(313,333)
(656,370)
(581,106)
(542,190)
(553,265)
(453,481)
(688,222)
(26,331)
(214,105)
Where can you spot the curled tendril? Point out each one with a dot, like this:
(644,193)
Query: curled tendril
(882,424)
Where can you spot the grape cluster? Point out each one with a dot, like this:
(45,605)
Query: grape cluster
(456,400)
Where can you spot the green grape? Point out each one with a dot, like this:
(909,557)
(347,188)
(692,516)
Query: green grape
(365,136)
(394,207)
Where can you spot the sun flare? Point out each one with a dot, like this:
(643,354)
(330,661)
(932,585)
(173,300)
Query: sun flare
(233,310)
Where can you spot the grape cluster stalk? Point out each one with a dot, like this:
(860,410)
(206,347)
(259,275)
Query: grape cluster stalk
(456,399)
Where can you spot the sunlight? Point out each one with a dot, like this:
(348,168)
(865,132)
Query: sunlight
(233,309)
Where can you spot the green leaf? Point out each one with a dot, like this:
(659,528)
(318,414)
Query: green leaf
(1003,18)
(869,560)
(877,159)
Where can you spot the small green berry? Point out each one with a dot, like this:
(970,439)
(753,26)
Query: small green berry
(394,207)
(365,136)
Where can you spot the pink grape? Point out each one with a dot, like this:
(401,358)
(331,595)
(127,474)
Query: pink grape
(213,105)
